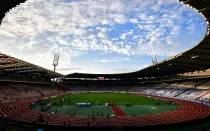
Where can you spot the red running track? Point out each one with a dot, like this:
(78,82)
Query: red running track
(118,111)
(187,110)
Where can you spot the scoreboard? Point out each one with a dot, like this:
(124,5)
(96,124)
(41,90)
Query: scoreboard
(101,78)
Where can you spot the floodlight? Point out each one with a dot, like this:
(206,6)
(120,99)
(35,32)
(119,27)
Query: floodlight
(56,59)
(193,57)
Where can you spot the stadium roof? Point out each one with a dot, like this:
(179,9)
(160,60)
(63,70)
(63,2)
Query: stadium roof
(6,5)
(197,58)
(11,65)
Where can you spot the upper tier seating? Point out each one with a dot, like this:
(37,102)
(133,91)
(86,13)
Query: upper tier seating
(205,85)
(185,84)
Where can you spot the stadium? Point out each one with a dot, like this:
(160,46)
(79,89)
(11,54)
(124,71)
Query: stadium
(173,94)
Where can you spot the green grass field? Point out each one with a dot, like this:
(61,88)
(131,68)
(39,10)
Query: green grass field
(140,105)
(101,98)
(79,111)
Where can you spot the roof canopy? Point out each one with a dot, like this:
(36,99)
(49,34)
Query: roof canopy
(6,5)
(11,65)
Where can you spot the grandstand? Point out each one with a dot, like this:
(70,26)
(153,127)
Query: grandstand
(184,83)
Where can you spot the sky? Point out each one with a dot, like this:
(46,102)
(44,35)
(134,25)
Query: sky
(99,36)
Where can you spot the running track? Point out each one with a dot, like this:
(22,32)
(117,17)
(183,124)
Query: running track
(118,111)
(19,110)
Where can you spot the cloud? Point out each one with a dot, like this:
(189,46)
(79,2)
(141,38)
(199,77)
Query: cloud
(123,36)
(191,28)
(68,69)
(117,6)
(36,29)
(114,60)
(125,70)
(134,20)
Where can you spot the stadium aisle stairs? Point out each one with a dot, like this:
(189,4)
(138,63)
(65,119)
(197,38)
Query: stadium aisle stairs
(129,87)
(88,89)
(202,95)
(118,111)
(199,83)
(182,92)
(154,91)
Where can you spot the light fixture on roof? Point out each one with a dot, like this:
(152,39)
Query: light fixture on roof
(194,57)
(55,61)
(208,28)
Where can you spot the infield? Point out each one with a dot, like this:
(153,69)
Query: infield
(138,105)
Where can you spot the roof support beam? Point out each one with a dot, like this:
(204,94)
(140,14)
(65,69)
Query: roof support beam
(7,63)
(204,9)
(181,64)
(204,46)
(187,1)
(27,71)
(206,65)
(200,59)
(21,68)
(193,52)
(25,66)
(175,68)
(164,69)
(12,65)
(200,49)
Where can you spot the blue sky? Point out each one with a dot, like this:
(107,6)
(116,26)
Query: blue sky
(99,36)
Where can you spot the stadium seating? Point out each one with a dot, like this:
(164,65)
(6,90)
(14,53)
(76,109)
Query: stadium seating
(193,94)
(14,91)
(205,85)
(205,97)
(178,92)
(183,90)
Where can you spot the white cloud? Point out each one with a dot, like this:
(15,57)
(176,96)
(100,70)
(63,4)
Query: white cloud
(123,36)
(191,28)
(117,6)
(125,70)
(36,29)
(134,20)
(175,30)
(102,29)
(117,59)
(119,18)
